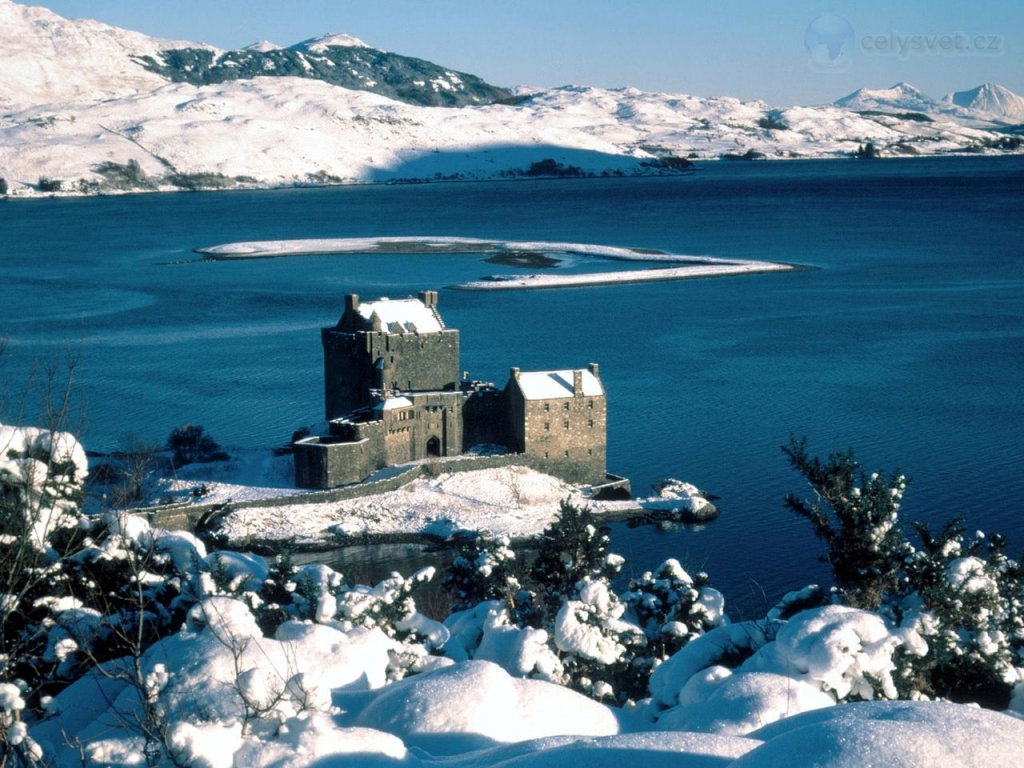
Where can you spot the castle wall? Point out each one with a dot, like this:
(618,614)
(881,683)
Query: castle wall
(392,395)
(320,463)
(485,418)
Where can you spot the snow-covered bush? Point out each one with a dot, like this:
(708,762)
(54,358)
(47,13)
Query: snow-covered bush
(673,607)
(601,653)
(390,608)
(567,625)
(481,570)
(966,598)
(41,478)
(573,548)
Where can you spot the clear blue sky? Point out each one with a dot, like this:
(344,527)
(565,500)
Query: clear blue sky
(744,48)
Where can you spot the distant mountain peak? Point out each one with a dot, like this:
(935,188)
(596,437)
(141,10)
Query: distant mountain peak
(322,43)
(900,97)
(262,46)
(990,98)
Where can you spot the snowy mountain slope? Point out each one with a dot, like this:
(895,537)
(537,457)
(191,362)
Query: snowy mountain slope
(340,60)
(287,130)
(49,59)
(82,115)
(990,99)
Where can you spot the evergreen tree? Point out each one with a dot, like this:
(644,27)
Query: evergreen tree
(857,516)
(573,547)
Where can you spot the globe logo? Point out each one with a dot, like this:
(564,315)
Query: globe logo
(829,43)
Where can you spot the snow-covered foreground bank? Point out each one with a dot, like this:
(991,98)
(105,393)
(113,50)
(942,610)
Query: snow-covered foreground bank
(172,656)
(220,693)
(695,266)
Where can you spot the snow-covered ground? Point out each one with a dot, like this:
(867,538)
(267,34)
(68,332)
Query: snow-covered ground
(221,694)
(514,501)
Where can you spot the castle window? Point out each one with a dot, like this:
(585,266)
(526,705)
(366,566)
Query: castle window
(590,404)
(547,426)
(547,406)
(565,424)
(567,454)
(590,423)
(565,406)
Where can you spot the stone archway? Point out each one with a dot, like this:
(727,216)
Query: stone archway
(434,446)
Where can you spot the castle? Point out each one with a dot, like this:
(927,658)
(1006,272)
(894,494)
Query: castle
(393,395)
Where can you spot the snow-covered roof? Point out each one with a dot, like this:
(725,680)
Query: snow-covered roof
(401,315)
(394,402)
(550,385)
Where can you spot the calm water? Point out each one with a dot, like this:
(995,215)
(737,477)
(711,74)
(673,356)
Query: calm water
(907,342)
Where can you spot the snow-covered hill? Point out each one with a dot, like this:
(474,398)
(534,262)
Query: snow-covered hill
(990,99)
(902,96)
(48,59)
(91,108)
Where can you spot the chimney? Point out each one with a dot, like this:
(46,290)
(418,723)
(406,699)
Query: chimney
(514,373)
(595,369)
(352,302)
(429,299)
(577,383)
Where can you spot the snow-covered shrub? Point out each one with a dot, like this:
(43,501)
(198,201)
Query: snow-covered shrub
(567,625)
(41,479)
(857,515)
(573,548)
(481,570)
(16,745)
(673,607)
(796,601)
(601,653)
(966,598)
(390,608)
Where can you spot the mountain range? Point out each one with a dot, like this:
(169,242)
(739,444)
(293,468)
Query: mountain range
(90,108)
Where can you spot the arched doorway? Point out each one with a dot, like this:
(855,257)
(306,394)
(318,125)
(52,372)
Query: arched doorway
(433,447)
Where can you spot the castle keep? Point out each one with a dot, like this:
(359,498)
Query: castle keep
(393,394)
